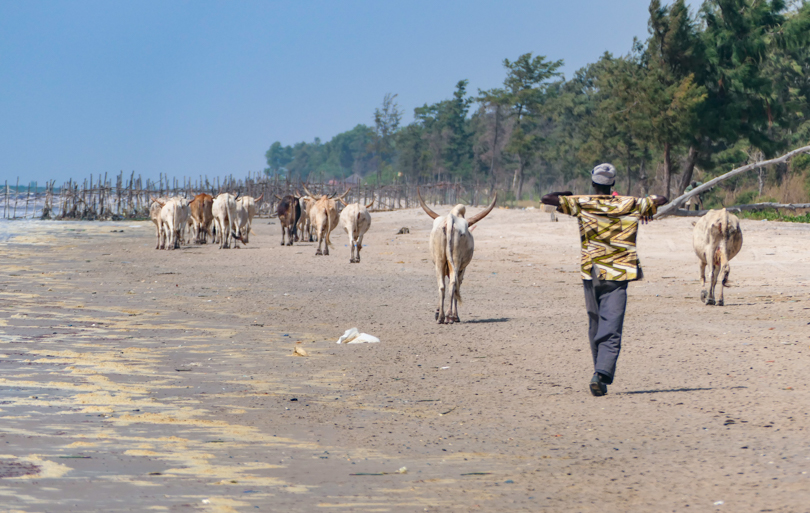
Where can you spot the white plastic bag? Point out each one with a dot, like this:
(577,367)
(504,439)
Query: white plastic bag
(353,336)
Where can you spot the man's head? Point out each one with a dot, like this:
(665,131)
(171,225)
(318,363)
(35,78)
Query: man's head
(603,177)
(694,183)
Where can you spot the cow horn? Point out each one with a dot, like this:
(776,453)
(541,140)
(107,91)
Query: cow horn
(345,193)
(344,203)
(429,212)
(333,195)
(259,198)
(156,201)
(480,215)
(372,202)
(278,197)
(236,196)
(307,191)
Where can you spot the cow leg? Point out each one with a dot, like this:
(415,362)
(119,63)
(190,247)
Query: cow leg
(320,241)
(724,269)
(713,284)
(703,293)
(440,309)
(359,247)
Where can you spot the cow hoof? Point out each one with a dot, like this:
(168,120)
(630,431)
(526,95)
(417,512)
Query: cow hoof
(710,302)
(720,303)
(318,253)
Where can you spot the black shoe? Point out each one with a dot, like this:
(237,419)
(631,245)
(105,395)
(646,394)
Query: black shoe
(598,388)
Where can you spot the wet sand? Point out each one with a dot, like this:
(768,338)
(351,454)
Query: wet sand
(143,380)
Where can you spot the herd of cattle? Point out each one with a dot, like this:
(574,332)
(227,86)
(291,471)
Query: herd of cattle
(717,237)
(230,216)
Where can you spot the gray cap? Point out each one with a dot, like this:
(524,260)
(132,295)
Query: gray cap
(604,174)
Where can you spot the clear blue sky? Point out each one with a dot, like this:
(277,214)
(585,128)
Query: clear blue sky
(202,87)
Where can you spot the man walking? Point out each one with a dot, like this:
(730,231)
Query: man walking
(608,226)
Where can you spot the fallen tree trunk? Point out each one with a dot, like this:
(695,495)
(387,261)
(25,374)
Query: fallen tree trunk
(672,206)
(740,208)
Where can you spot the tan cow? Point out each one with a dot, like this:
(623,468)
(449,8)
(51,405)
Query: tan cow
(304,225)
(356,220)
(224,210)
(202,216)
(324,218)
(451,246)
(717,238)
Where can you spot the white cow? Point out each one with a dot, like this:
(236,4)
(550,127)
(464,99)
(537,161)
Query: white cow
(154,215)
(451,246)
(171,221)
(245,212)
(717,238)
(356,220)
(224,210)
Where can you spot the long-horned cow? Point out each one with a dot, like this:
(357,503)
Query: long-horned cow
(202,215)
(324,218)
(451,246)
(289,211)
(224,210)
(356,220)
(717,238)
(245,212)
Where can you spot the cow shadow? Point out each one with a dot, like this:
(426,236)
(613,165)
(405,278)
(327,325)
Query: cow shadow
(487,321)
(684,389)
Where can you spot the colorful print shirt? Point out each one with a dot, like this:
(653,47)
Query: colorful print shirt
(608,227)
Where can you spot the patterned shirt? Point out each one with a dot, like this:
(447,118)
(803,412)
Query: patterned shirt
(608,227)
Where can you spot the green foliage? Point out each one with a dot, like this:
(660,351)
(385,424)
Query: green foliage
(772,215)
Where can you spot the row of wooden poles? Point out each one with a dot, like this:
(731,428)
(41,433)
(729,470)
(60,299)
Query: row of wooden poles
(128,197)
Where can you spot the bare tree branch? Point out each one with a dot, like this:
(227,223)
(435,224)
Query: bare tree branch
(672,206)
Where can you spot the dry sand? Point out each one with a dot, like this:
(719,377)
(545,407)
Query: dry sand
(143,380)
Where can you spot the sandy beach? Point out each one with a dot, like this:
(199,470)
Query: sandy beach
(142,380)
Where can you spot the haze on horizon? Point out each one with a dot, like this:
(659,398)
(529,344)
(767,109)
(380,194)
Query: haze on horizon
(204,88)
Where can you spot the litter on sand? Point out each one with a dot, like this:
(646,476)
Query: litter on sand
(300,351)
(353,336)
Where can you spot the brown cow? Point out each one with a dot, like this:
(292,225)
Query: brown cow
(289,211)
(202,216)
(717,238)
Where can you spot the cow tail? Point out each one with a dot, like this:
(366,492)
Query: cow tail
(457,291)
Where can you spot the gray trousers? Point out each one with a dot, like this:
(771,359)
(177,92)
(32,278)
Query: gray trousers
(605,302)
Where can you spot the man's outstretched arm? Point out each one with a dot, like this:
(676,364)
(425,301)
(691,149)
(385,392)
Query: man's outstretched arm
(554,198)
(658,200)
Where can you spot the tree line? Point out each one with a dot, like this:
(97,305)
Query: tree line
(706,91)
